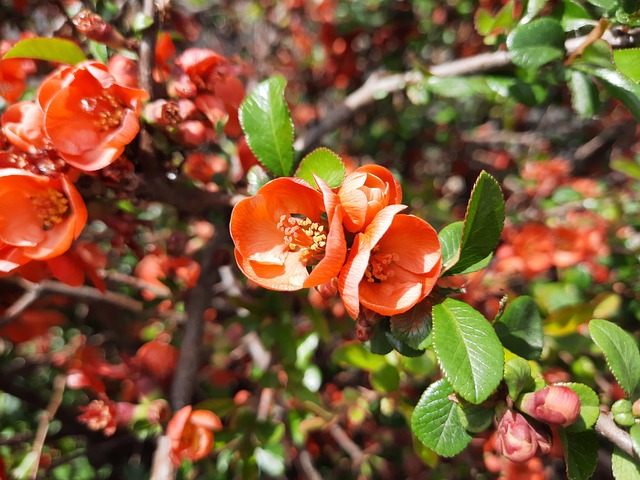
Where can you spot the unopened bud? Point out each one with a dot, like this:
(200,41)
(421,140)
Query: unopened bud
(516,439)
(555,405)
(328,289)
(363,329)
(635,409)
(622,413)
(95,28)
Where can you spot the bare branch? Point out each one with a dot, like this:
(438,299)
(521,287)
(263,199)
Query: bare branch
(45,419)
(606,427)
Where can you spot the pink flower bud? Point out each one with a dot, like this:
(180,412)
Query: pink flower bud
(556,405)
(516,439)
(635,409)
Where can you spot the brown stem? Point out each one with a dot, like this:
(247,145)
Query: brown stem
(162,467)
(606,427)
(45,420)
(348,445)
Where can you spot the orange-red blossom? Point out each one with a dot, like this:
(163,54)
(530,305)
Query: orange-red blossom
(39,217)
(191,434)
(288,228)
(88,117)
(280,232)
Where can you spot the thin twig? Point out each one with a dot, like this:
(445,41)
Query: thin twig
(18,307)
(306,463)
(348,445)
(606,427)
(45,420)
(198,299)
(162,467)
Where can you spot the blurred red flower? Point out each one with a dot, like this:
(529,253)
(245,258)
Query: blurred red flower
(191,434)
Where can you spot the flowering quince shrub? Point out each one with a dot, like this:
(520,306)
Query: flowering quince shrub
(191,288)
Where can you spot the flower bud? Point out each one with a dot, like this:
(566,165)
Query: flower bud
(516,439)
(556,405)
(95,28)
(329,289)
(635,409)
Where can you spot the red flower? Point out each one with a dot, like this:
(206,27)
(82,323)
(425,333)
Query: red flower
(88,116)
(279,233)
(191,434)
(31,324)
(39,217)
(158,359)
(13,74)
(364,193)
(392,266)
(23,124)
(99,415)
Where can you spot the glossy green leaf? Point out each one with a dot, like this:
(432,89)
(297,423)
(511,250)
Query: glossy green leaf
(354,354)
(634,433)
(141,22)
(436,423)
(580,453)
(483,224)
(323,163)
(620,87)
(517,375)
(574,16)
(607,5)
(589,407)
(520,328)
(628,62)
(50,49)
(468,349)
(450,238)
(413,326)
(620,351)
(267,124)
(623,466)
(536,43)
(584,94)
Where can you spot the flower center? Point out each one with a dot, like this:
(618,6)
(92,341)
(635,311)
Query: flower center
(51,207)
(378,269)
(107,108)
(301,233)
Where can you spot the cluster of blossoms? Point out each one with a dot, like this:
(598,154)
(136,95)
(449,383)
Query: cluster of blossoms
(80,120)
(351,239)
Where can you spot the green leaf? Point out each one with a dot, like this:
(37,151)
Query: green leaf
(354,354)
(584,94)
(628,167)
(482,224)
(536,43)
(257,177)
(574,16)
(141,22)
(413,326)
(266,122)
(458,87)
(50,49)
(532,9)
(620,87)
(623,466)
(620,351)
(520,328)
(580,453)
(468,350)
(387,379)
(628,62)
(634,432)
(450,237)
(325,164)
(475,418)
(517,375)
(436,423)
(607,5)
(271,460)
(589,407)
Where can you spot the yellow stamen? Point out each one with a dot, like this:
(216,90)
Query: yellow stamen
(51,207)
